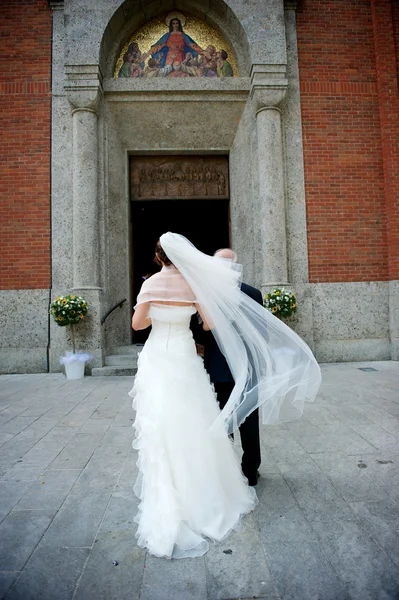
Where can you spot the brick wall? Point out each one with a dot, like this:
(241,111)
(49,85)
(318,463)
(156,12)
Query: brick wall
(384,12)
(349,211)
(25,66)
(348,60)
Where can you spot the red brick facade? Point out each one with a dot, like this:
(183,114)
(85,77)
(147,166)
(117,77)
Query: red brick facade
(350,116)
(25,68)
(348,62)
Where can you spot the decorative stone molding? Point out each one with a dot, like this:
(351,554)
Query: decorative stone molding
(83,87)
(56,4)
(268,85)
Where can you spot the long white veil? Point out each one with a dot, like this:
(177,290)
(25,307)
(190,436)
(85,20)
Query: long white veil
(272,367)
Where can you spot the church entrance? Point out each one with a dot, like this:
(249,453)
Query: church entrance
(183,194)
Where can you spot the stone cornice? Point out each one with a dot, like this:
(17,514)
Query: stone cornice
(292,4)
(190,89)
(56,4)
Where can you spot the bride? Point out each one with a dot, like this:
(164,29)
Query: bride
(190,482)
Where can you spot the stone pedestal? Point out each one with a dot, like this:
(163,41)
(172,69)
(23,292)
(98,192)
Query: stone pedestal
(394,318)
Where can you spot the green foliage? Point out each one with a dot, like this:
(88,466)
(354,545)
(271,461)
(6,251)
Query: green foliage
(280,302)
(68,310)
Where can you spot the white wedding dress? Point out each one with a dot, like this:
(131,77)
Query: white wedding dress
(190,482)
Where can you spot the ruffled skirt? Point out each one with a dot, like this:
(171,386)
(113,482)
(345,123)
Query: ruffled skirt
(190,483)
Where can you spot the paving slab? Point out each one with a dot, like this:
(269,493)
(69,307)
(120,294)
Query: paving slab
(278,514)
(78,451)
(183,579)
(49,491)
(349,479)
(358,560)
(301,570)
(7,578)
(381,521)
(383,469)
(121,509)
(315,493)
(11,491)
(50,575)
(20,533)
(77,522)
(5,437)
(17,424)
(326,526)
(129,472)
(102,579)
(238,566)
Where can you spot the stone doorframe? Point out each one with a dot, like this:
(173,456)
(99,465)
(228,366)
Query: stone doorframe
(260,112)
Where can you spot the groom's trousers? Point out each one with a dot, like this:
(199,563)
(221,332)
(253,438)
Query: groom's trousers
(249,432)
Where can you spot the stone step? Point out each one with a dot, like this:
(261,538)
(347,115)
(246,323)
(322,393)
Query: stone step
(121,360)
(132,349)
(114,371)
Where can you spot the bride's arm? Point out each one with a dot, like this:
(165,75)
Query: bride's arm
(206,325)
(140,319)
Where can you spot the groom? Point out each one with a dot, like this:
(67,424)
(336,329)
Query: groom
(220,375)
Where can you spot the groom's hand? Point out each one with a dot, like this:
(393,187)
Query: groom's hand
(200,350)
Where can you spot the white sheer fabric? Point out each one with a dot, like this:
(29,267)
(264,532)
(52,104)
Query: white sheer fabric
(168,285)
(273,368)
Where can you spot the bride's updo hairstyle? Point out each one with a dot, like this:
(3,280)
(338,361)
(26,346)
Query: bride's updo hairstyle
(160,255)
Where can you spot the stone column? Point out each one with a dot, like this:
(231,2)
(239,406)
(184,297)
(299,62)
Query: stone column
(272,219)
(85,201)
(271,196)
(85,206)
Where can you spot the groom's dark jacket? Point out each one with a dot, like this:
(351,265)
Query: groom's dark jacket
(214,361)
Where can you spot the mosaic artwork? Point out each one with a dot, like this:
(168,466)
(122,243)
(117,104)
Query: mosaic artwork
(176,46)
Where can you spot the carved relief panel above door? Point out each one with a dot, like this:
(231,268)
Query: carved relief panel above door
(179,177)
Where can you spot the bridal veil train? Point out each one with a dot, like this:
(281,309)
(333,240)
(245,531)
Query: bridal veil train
(190,484)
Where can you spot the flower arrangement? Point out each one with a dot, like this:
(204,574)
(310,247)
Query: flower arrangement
(69,310)
(280,302)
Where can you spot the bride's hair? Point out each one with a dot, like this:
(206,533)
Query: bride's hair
(160,255)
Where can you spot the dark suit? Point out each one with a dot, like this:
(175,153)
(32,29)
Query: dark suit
(219,372)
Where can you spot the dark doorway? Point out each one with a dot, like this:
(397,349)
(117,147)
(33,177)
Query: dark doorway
(204,222)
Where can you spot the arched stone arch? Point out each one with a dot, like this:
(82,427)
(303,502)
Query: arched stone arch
(131,15)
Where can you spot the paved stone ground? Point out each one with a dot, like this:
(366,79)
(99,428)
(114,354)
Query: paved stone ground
(326,527)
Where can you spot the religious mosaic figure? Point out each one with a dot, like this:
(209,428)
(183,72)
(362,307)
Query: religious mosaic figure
(171,50)
(133,62)
(175,54)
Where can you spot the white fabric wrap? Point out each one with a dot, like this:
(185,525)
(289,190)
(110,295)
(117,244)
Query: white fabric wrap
(273,368)
(167,286)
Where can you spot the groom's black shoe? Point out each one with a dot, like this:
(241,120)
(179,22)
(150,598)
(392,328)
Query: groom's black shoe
(254,480)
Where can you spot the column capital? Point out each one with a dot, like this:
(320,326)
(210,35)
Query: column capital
(83,87)
(268,85)
(266,98)
(292,4)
